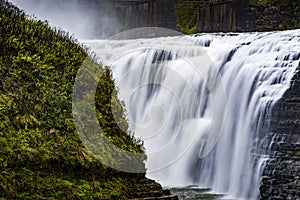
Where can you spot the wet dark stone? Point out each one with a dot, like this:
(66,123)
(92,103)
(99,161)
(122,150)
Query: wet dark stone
(281,176)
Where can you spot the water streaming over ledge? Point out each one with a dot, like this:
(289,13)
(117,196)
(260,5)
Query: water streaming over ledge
(197,103)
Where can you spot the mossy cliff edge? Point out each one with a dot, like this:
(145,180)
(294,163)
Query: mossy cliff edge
(41,154)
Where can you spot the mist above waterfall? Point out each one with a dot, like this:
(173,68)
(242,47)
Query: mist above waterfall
(81,18)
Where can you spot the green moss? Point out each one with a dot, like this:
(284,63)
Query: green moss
(186,18)
(289,153)
(292,7)
(41,154)
(260,2)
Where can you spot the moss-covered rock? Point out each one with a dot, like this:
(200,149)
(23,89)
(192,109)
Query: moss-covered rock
(41,154)
(272,15)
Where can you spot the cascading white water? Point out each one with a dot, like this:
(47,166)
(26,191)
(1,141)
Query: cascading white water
(197,103)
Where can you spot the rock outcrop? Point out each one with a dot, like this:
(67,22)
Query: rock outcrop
(281,176)
(225,16)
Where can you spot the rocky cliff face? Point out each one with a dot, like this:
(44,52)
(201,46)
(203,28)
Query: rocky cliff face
(151,14)
(275,15)
(281,176)
(140,15)
(225,16)
(216,18)
(245,15)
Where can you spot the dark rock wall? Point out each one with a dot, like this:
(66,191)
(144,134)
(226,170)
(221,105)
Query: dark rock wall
(230,16)
(241,16)
(159,13)
(244,16)
(281,176)
(217,18)
(286,113)
(280,15)
(166,17)
(141,15)
(267,18)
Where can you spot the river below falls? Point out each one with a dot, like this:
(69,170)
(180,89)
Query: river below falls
(190,193)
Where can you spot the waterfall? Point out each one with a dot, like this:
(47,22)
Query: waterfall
(198,103)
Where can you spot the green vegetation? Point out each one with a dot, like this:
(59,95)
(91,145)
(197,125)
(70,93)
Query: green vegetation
(186,18)
(261,2)
(291,8)
(292,153)
(41,154)
(289,153)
